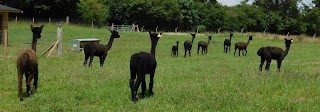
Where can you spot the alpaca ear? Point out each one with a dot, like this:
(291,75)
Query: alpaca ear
(110,31)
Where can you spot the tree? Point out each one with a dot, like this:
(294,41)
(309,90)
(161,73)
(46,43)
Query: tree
(93,10)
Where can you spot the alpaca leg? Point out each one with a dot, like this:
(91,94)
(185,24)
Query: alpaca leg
(229,48)
(261,63)
(246,52)
(185,52)
(91,59)
(35,81)
(20,85)
(224,48)
(279,65)
(172,52)
(131,81)
(235,50)
(86,57)
(189,52)
(136,87)
(198,49)
(268,64)
(143,88)
(151,84)
(206,50)
(28,84)
(102,58)
(177,52)
(239,52)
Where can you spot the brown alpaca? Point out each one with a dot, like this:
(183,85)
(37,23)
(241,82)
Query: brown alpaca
(242,46)
(27,64)
(204,46)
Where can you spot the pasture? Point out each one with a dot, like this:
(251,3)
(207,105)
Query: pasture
(213,82)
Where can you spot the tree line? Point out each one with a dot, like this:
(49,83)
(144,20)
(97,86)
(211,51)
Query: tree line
(273,16)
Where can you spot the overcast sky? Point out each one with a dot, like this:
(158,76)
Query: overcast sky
(235,2)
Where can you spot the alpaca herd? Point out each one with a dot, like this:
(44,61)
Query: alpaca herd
(141,63)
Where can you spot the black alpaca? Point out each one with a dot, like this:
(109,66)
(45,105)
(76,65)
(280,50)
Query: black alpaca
(175,50)
(227,44)
(188,44)
(276,53)
(94,49)
(143,63)
(242,46)
(204,45)
(27,64)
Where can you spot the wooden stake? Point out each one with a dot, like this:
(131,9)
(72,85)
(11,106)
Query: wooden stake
(5,40)
(59,39)
(54,46)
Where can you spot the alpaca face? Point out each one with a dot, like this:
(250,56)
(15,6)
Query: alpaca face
(193,35)
(36,31)
(155,37)
(231,34)
(288,42)
(114,34)
(209,37)
(250,37)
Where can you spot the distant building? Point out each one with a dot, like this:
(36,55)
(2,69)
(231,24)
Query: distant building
(4,18)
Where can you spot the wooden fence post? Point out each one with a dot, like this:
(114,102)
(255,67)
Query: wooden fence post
(157,29)
(33,21)
(219,30)
(314,35)
(5,40)
(91,24)
(16,18)
(67,19)
(49,20)
(176,29)
(59,38)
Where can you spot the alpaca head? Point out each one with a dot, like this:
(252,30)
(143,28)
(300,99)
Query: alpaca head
(114,34)
(288,42)
(250,37)
(154,37)
(231,34)
(36,31)
(193,35)
(177,42)
(209,37)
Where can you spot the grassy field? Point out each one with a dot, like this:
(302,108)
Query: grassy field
(212,82)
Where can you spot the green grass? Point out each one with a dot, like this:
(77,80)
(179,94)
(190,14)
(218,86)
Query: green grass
(212,82)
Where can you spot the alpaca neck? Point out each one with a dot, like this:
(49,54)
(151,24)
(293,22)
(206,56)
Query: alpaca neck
(34,44)
(286,51)
(153,49)
(248,42)
(192,40)
(110,43)
(208,41)
(177,44)
(230,38)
